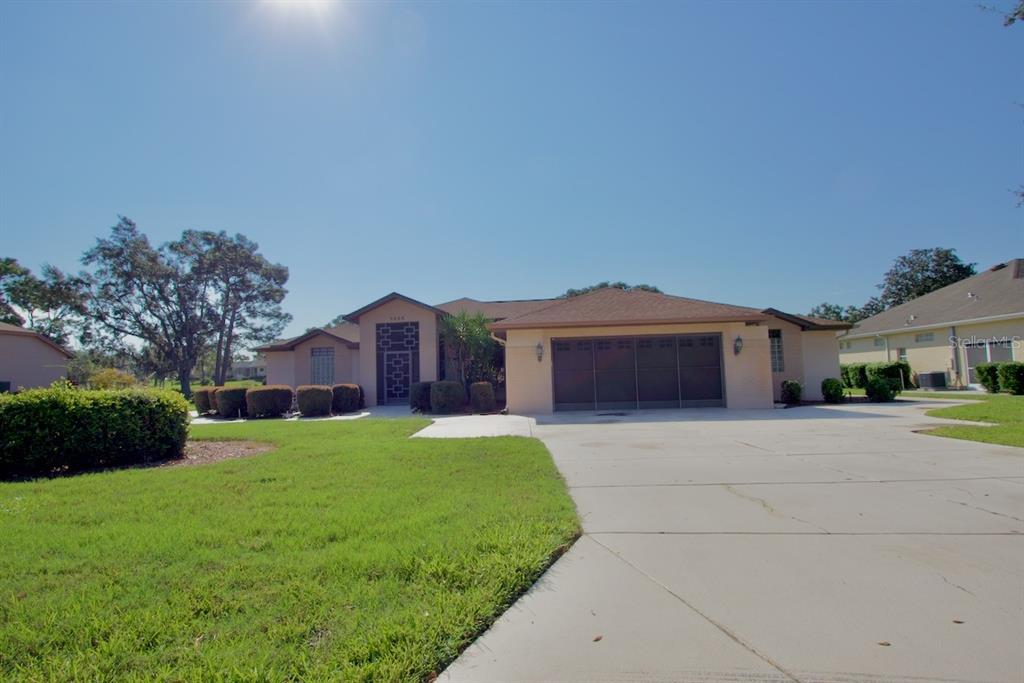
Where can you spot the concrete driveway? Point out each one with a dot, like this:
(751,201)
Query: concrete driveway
(810,544)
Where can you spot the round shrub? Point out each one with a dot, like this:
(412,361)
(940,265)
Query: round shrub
(880,390)
(315,400)
(229,401)
(988,376)
(832,390)
(481,397)
(419,397)
(791,392)
(1011,377)
(272,400)
(345,398)
(63,429)
(203,398)
(446,397)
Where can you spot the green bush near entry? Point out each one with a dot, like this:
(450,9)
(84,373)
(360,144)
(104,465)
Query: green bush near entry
(346,398)
(481,397)
(314,400)
(791,392)
(419,397)
(988,376)
(447,397)
(880,390)
(854,375)
(1011,377)
(230,402)
(832,390)
(272,400)
(63,429)
(897,370)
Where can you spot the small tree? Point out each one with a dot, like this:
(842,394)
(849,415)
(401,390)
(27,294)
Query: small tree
(625,286)
(469,344)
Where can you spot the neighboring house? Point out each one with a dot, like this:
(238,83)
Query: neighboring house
(28,359)
(951,330)
(608,349)
(249,369)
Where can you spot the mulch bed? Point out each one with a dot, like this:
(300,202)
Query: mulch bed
(206,452)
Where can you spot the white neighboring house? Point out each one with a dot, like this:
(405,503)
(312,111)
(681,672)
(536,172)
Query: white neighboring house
(249,369)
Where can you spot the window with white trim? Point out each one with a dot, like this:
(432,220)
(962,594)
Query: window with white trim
(901,353)
(924,337)
(321,365)
(775,340)
(879,341)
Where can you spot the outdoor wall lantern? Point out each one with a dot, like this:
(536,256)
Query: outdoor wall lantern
(540,352)
(737,346)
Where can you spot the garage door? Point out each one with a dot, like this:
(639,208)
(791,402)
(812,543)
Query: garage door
(610,373)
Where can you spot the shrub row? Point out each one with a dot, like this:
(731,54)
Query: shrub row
(1007,376)
(446,397)
(881,390)
(63,429)
(858,375)
(275,400)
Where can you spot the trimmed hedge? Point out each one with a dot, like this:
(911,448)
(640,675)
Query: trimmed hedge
(988,376)
(63,429)
(1011,377)
(880,390)
(854,375)
(203,398)
(891,370)
(447,397)
(315,400)
(346,398)
(791,392)
(273,400)
(419,397)
(832,390)
(230,402)
(481,397)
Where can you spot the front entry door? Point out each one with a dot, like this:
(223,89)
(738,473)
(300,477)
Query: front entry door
(398,361)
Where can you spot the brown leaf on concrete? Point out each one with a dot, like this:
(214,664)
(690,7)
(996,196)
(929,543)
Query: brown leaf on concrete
(597,638)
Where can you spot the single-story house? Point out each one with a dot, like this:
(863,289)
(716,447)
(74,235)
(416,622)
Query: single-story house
(607,349)
(248,369)
(979,319)
(29,359)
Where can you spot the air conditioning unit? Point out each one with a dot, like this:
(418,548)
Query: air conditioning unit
(931,380)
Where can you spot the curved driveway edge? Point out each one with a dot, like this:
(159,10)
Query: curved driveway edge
(810,544)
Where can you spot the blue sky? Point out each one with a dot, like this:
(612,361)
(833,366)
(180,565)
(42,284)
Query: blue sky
(755,153)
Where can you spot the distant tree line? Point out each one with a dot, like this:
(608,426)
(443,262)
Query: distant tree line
(159,311)
(917,273)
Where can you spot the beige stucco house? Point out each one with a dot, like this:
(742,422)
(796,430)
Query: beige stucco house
(28,359)
(949,331)
(608,349)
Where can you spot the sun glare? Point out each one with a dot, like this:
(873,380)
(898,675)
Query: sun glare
(316,8)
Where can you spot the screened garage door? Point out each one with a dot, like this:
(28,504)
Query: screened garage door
(608,373)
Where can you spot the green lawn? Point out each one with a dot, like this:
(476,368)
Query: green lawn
(348,553)
(958,395)
(1006,412)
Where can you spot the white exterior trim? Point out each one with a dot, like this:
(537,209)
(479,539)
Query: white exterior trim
(934,326)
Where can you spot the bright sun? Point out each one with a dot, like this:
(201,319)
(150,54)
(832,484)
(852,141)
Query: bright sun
(314,7)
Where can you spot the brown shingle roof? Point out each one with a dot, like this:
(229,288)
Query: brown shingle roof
(809,322)
(612,306)
(7,328)
(495,310)
(999,291)
(346,332)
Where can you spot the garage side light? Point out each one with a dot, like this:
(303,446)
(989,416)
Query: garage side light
(737,346)
(540,352)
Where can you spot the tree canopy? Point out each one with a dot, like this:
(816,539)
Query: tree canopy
(569,293)
(915,274)
(51,304)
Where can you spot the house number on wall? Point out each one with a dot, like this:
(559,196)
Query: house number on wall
(396,318)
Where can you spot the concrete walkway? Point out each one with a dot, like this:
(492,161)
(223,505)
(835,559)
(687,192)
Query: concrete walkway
(810,544)
(470,426)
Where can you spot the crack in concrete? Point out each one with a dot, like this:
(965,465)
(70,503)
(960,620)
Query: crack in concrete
(991,512)
(956,585)
(721,627)
(772,511)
